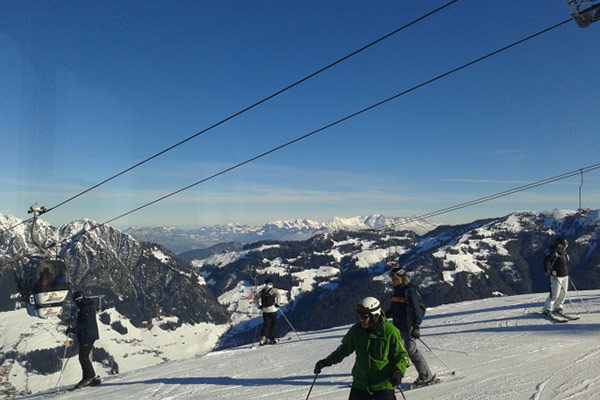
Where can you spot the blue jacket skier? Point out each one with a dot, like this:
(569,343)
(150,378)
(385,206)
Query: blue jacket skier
(408,315)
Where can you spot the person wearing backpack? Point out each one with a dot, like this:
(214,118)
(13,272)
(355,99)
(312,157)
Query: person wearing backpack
(268,301)
(556,265)
(407,311)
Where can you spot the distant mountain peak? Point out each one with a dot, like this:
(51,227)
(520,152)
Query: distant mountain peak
(180,240)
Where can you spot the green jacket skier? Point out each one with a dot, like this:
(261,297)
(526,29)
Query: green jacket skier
(381,359)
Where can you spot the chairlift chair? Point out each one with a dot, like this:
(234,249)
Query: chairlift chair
(44,280)
(50,286)
(584,17)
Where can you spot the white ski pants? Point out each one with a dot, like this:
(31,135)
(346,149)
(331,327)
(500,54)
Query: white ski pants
(558,292)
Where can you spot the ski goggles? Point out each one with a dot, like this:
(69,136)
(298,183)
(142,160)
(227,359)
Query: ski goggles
(363,317)
(360,310)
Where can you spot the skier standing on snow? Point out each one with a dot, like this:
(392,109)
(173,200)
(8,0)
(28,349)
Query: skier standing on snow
(556,265)
(407,314)
(381,359)
(268,301)
(87,333)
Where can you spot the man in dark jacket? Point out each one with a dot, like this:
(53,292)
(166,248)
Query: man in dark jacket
(87,334)
(407,314)
(556,265)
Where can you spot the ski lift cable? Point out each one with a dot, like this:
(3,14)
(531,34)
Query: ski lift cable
(241,111)
(496,195)
(25,339)
(339,121)
(304,136)
(248,108)
(446,210)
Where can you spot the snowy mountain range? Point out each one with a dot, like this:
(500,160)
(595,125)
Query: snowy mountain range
(321,277)
(181,240)
(159,308)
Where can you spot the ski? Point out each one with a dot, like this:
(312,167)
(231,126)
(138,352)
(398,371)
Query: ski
(437,381)
(566,316)
(418,386)
(283,340)
(553,318)
(95,382)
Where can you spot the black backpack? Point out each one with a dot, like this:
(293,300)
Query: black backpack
(267,299)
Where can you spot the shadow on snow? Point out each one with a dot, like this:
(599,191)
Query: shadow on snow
(305,380)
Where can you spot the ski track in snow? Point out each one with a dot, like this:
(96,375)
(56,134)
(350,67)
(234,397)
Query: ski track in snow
(502,350)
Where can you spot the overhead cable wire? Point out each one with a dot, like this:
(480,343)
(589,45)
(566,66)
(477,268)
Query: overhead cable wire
(339,121)
(250,107)
(406,221)
(232,116)
(494,196)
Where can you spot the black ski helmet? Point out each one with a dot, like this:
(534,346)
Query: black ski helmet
(78,295)
(397,273)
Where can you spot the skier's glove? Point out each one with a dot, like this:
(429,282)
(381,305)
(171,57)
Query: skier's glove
(276,305)
(69,331)
(415,332)
(320,365)
(553,273)
(260,307)
(396,378)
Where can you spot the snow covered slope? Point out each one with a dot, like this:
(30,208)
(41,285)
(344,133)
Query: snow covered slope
(503,351)
(122,348)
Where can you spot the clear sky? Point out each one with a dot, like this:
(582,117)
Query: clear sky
(88,89)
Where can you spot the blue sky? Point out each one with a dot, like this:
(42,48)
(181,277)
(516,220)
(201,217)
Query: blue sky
(89,89)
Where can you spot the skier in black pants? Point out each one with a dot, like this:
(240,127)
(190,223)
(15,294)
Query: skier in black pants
(268,301)
(87,334)
(407,314)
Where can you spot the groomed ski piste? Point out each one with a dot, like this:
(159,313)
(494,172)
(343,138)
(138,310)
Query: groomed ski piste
(502,349)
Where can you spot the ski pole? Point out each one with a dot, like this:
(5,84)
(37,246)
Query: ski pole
(288,321)
(311,386)
(578,295)
(255,292)
(436,356)
(401,392)
(64,364)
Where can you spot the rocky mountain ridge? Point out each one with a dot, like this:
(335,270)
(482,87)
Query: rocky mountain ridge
(140,280)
